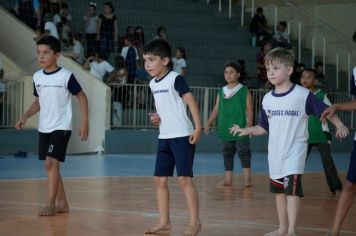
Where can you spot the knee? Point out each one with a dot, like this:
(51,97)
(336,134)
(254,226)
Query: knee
(184,181)
(349,188)
(161,182)
(51,164)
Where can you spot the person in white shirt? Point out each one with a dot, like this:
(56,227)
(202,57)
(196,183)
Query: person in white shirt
(76,51)
(179,61)
(98,66)
(284,116)
(49,28)
(90,23)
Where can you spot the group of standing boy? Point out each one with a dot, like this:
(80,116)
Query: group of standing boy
(284,116)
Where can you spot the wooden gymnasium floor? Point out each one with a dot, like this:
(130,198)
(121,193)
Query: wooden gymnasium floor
(126,205)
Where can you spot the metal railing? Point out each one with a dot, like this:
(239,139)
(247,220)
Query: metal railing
(11,105)
(132,103)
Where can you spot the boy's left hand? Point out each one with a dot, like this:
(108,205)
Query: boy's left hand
(194,137)
(84,131)
(342,131)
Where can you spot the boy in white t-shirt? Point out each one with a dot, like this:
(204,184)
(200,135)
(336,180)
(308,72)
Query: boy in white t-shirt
(284,116)
(53,87)
(98,66)
(177,137)
(179,61)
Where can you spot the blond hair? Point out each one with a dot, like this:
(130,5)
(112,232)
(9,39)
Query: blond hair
(279,55)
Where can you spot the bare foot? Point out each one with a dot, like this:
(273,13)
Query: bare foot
(62,209)
(158,227)
(192,230)
(225,184)
(47,211)
(275,233)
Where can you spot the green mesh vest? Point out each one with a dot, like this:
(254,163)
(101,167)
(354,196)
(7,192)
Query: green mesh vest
(316,133)
(232,111)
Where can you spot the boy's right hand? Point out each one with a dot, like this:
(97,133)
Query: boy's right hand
(341,131)
(20,123)
(206,129)
(154,118)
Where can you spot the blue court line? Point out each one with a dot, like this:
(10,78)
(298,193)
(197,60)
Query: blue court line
(141,165)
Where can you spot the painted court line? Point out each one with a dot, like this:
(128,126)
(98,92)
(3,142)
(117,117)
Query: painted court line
(152,214)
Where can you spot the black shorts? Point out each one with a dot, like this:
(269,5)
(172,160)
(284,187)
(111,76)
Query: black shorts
(290,185)
(53,144)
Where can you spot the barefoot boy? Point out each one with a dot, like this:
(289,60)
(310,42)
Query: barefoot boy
(284,116)
(53,87)
(177,137)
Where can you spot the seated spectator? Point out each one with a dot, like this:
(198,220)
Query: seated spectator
(49,29)
(55,9)
(260,59)
(259,28)
(90,23)
(64,12)
(297,72)
(98,66)
(130,33)
(115,81)
(29,12)
(76,50)
(161,33)
(129,53)
(281,36)
(139,41)
(64,30)
(319,74)
(179,61)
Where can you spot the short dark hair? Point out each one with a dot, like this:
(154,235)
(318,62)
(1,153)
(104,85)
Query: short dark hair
(283,23)
(158,47)
(310,70)
(52,42)
(110,5)
(234,65)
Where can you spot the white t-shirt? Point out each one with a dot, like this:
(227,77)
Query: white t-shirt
(52,29)
(56,19)
(126,49)
(285,117)
(54,93)
(179,64)
(90,28)
(79,50)
(170,106)
(98,70)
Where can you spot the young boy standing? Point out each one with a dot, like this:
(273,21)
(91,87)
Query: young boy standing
(53,86)
(177,137)
(284,115)
(319,135)
(349,190)
(233,106)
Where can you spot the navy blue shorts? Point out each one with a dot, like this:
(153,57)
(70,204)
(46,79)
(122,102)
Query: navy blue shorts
(175,152)
(53,144)
(351,173)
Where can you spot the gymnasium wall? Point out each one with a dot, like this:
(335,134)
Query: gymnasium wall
(17,44)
